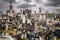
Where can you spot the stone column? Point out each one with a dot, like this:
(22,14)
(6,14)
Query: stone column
(55,37)
(41,37)
(6,29)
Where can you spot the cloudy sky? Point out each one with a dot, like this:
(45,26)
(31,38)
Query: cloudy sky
(46,5)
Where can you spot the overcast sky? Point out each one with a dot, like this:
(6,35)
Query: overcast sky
(46,5)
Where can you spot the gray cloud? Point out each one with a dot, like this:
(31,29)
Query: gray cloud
(27,0)
(8,0)
(25,5)
(57,10)
(3,6)
(54,3)
(38,1)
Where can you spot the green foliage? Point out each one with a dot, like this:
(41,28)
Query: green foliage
(50,14)
(24,39)
(58,38)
